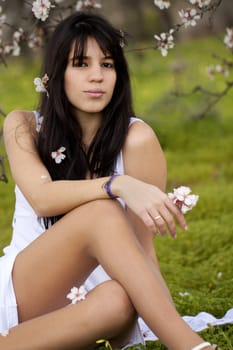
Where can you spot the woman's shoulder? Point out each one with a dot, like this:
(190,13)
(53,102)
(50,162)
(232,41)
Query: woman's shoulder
(19,117)
(140,134)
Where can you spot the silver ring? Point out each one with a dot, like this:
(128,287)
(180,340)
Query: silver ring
(157,217)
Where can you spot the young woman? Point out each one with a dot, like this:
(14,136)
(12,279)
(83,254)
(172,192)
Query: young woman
(89,194)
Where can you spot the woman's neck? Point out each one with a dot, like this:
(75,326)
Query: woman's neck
(90,124)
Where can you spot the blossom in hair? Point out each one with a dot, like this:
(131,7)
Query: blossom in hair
(41,9)
(189,17)
(182,198)
(41,83)
(161,4)
(165,42)
(77,294)
(58,155)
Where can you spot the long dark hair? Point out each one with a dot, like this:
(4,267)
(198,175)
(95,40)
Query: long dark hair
(60,127)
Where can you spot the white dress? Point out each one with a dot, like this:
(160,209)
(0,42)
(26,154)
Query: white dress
(26,228)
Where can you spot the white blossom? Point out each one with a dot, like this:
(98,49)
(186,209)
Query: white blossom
(12,49)
(41,9)
(82,4)
(15,49)
(41,83)
(189,17)
(165,42)
(200,3)
(2,17)
(161,4)
(79,5)
(35,39)
(219,275)
(222,70)
(77,294)
(184,294)
(92,3)
(18,34)
(182,198)
(58,155)
(212,70)
(228,39)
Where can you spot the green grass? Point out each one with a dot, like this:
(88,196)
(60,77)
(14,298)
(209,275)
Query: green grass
(199,154)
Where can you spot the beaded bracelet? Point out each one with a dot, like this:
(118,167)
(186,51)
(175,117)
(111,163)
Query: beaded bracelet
(107,187)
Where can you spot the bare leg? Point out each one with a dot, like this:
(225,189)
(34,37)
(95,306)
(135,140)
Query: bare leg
(105,313)
(66,253)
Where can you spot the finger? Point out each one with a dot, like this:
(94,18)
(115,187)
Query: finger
(177,213)
(148,221)
(169,220)
(159,223)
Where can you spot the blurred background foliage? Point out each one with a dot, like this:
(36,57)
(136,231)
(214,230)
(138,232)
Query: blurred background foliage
(199,152)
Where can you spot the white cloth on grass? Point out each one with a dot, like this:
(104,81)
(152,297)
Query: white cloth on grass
(197,323)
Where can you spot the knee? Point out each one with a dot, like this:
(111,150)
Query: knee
(117,302)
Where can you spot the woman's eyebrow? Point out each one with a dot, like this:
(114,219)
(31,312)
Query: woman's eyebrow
(108,57)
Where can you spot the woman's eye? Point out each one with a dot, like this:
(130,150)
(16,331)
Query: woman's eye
(108,65)
(79,64)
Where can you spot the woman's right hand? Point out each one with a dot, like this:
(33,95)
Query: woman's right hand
(150,204)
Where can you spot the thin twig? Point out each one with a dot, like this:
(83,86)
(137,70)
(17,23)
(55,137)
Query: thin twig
(216,96)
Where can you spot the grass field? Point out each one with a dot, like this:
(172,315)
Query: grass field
(199,154)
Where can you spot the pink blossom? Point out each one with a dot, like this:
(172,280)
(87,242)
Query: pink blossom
(165,42)
(84,4)
(189,17)
(200,3)
(41,83)
(182,198)
(41,9)
(58,155)
(161,4)
(77,294)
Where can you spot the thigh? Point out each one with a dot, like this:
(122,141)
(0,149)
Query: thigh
(45,271)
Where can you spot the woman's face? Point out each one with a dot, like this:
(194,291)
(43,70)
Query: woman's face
(89,83)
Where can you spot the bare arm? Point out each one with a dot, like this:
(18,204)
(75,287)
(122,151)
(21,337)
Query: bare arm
(144,160)
(47,197)
(50,198)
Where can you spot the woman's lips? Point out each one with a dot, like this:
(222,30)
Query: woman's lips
(94,93)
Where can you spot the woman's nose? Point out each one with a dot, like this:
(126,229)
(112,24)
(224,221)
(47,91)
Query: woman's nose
(96,73)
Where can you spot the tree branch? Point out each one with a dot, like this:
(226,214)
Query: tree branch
(216,96)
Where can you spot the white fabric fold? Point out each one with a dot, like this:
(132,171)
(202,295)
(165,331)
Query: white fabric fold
(197,323)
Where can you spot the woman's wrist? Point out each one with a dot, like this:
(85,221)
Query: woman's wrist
(107,186)
(118,185)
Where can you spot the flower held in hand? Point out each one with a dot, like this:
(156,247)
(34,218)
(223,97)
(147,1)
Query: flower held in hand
(182,198)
